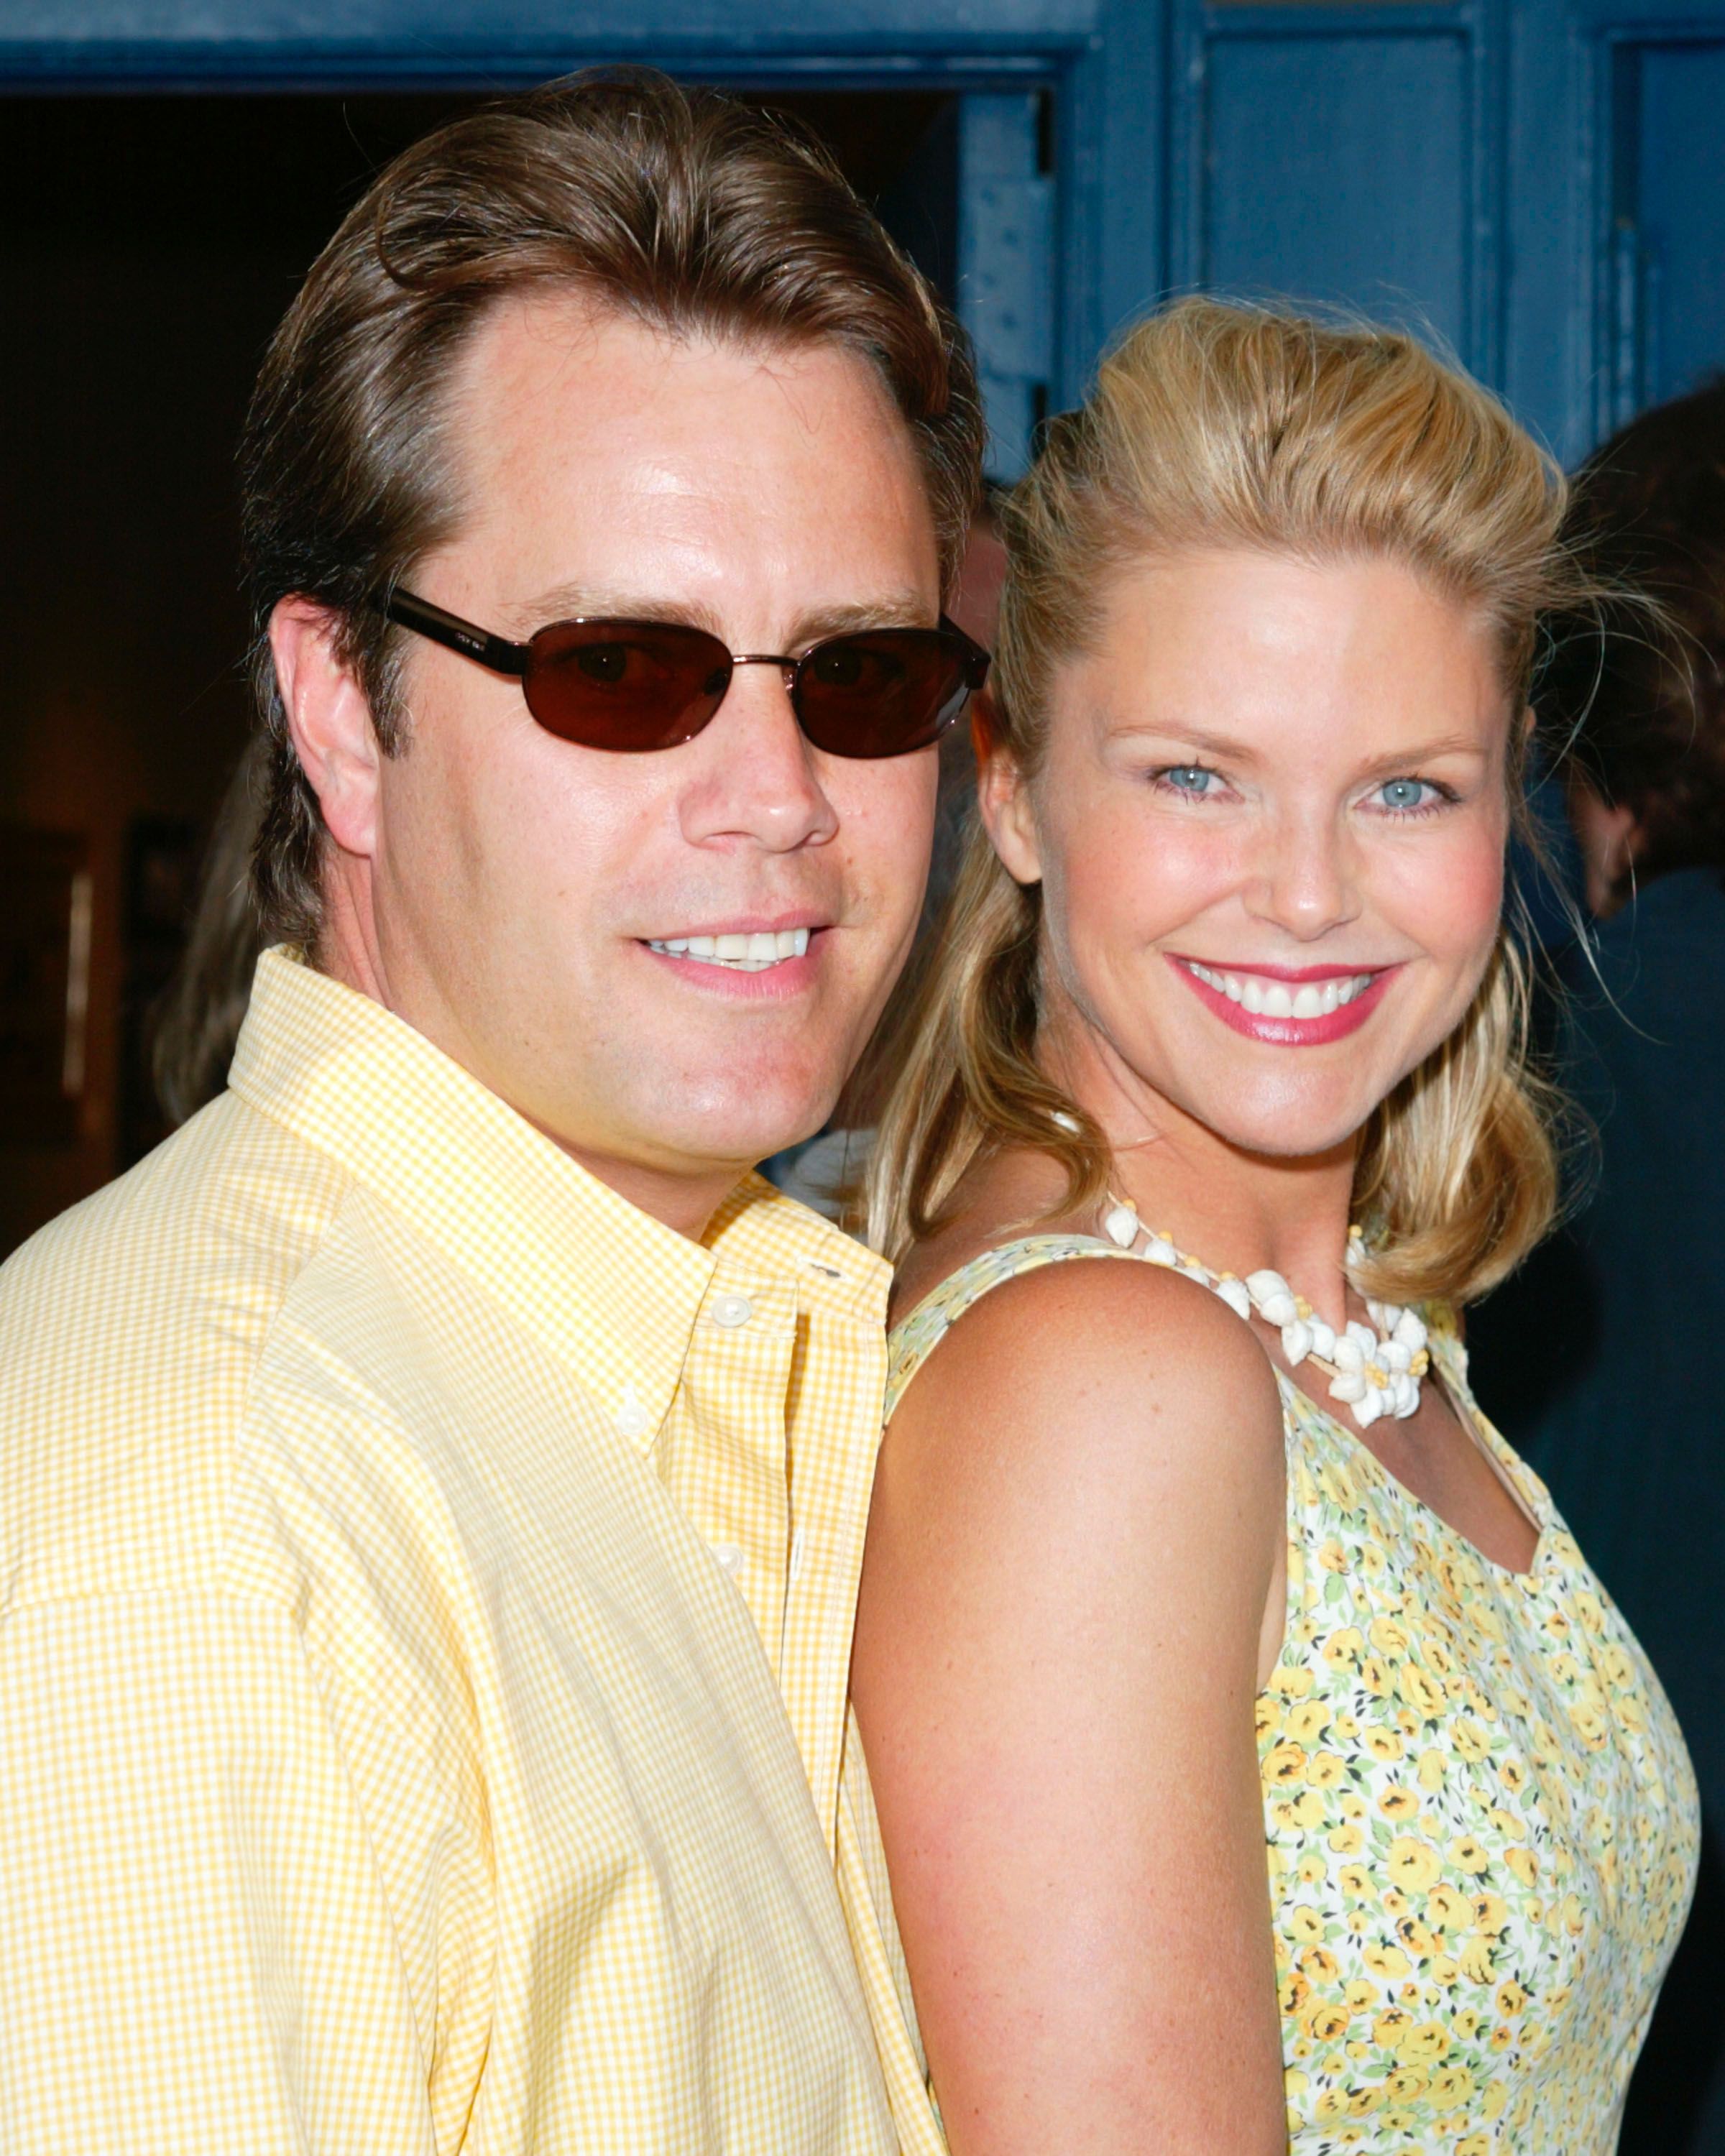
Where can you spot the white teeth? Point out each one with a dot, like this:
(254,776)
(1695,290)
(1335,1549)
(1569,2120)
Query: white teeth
(751,953)
(1269,998)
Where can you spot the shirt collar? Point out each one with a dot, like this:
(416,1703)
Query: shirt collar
(607,1290)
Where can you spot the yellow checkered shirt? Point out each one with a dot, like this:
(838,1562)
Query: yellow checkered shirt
(426,1587)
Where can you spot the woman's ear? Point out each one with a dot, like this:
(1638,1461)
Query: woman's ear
(1004,798)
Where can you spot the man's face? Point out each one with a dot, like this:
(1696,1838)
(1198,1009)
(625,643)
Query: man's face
(521,882)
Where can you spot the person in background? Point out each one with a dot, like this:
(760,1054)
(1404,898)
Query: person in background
(433,1483)
(1188,1535)
(1601,1356)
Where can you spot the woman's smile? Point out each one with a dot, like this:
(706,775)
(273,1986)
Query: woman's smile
(1289,1007)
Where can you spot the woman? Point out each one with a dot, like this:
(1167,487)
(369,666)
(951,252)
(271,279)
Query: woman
(1209,1542)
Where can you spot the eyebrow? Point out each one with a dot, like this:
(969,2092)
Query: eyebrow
(1219,746)
(897,609)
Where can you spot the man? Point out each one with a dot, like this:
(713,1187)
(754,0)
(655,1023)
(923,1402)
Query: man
(415,1476)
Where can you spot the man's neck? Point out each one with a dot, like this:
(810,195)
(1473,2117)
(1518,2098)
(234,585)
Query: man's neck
(683,1200)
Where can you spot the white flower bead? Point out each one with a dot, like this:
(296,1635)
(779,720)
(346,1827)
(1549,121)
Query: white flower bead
(1161,1252)
(1233,1292)
(1394,1356)
(1349,1385)
(1120,1224)
(1261,1285)
(1278,1309)
(1410,1331)
(1323,1339)
(1366,1411)
(1407,1396)
(1363,1338)
(1296,1340)
(1346,1354)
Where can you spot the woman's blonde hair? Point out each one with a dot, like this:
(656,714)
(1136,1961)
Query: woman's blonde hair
(1220,426)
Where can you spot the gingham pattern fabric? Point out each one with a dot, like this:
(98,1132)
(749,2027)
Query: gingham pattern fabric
(400,1536)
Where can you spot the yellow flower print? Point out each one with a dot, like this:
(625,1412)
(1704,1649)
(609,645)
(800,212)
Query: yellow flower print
(1502,2036)
(1446,1909)
(1433,1768)
(1392,2028)
(1523,1863)
(1344,1648)
(1467,1853)
(1355,1883)
(1293,1992)
(1354,1806)
(1631,1711)
(1444,1969)
(1396,1803)
(1344,1729)
(1414,1936)
(1422,1692)
(1394,1902)
(1476,1957)
(1451,2085)
(1511,1999)
(1320,1964)
(1512,1773)
(1490,1913)
(1325,1770)
(1590,1724)
(1284,1765)
(1306,1720)
(1292,1680)
(1565,1670)
(1413,1864)
(1384,1744)
(1406,2083)
(1325,2024)
(1346,1839)
(1470,1740)
(1359,1994)
(1332,1557)
(1266,1715)
(1476,2144)
(1373,1563)
(1429,2040)
(1311,1870)
(1304,1922)
(1387,1636)
(1331,2105)
(1588,1609)
(1386,1962)
(1467,2024)
(1309,1810)
(1375,1675)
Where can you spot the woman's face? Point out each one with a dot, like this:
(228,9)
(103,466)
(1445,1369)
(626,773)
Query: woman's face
(1270,830)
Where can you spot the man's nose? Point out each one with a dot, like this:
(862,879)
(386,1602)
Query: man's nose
(755,777)
(1306,879)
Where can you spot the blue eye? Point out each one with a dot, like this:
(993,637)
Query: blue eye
(1188,778)
(1403,794)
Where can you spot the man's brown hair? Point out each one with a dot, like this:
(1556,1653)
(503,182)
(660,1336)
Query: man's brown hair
(680,208)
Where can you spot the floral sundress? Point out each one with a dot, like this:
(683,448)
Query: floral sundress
(1481,1823)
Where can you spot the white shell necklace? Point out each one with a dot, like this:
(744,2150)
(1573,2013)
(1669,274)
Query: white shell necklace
(1372,1372)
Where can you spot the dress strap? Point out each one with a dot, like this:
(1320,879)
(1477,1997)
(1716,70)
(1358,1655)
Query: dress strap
(915,1338)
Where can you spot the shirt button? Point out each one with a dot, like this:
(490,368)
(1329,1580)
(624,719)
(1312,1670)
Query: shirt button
(729,1557)
(731,1310)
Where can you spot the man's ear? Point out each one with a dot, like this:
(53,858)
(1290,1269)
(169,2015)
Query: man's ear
(329,722)
(1004,800)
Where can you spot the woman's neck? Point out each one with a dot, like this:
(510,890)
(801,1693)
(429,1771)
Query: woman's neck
(1236,1212)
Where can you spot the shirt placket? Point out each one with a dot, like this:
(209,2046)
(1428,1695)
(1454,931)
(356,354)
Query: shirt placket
(721,1453)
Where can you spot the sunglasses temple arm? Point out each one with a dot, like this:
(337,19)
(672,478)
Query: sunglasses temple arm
(495,653)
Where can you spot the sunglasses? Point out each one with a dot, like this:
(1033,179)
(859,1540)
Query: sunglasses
(632,685)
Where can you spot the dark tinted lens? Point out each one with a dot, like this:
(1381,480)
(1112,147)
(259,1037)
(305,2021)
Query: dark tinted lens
(883,693)
(625,684)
